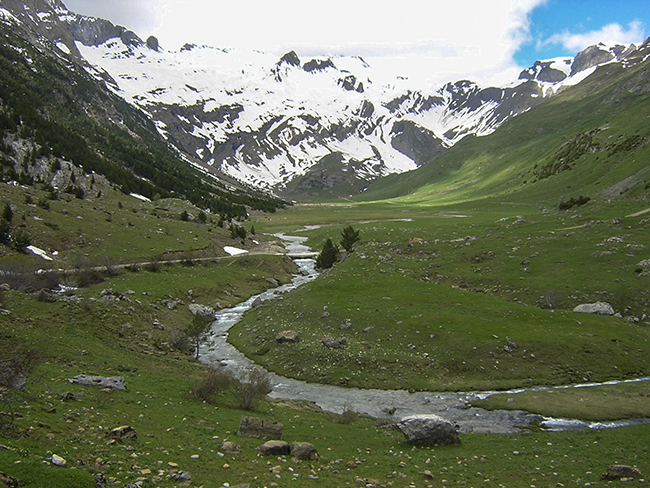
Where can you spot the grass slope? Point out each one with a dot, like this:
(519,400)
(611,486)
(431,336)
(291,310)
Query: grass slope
(611,105)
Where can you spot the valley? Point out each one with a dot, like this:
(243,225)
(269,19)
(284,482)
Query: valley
(133,213)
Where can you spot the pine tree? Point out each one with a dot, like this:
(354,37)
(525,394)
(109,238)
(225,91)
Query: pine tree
(328,256)
(349,238)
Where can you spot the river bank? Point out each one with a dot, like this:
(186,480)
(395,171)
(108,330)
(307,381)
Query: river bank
(381,404)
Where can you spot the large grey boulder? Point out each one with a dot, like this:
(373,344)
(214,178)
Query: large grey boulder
(275,448)
(600,308)
(304,451)
(428,430)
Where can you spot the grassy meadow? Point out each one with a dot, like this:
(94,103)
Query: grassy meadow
(465,278)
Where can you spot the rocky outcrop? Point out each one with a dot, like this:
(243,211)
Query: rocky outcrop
(600,308)
(91,31)
(152,43)
(288,336)
(428,430)
(590,57)
(116,382)
(202,311)
(543,71)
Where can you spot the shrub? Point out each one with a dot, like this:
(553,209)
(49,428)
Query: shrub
(573,202)
(213,383)
(253,388)
(16,362)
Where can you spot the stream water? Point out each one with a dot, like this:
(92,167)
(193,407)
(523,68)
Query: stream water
(388,404)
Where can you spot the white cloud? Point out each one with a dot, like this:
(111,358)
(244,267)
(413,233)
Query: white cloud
(424,38)
(433,39)
(609,33)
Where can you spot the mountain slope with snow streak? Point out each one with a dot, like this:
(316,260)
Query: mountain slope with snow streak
(303,127)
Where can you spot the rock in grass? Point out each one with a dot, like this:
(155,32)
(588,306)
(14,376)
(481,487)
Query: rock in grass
(275,448)
(230,447)
(332,343)
(58,461)
(288,336)
(428,430)
(618,471)
(124,433)
(600,308)
(304,451)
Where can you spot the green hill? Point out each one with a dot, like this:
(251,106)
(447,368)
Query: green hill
(591,139)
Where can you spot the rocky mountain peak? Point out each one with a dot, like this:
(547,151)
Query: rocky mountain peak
(91,31)
(318,65)
(152,43)
(290,58)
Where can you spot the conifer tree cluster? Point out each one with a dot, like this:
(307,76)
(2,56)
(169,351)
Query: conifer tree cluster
(329,255)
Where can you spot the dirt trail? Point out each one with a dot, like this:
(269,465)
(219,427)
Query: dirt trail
(637,214)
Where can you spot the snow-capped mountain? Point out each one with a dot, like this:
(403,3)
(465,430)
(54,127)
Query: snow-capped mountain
(292,125)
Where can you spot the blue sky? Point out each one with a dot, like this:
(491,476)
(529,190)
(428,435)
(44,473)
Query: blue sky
(429,41)
(562,28)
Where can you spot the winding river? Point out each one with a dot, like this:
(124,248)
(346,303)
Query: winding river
(388,404)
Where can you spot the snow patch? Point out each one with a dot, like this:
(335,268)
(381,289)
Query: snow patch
(63,47)
(233,251)
(39,252)
(139,197)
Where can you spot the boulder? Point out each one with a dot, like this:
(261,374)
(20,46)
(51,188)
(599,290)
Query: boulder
(332,343)
(230,447)
(116,382)
(124,433)
(304,451)
(618,471)
(202,311)
(428,430)
(45,297)
(600,308)
(260,428)
(275,448)
(290,336)
(58,461)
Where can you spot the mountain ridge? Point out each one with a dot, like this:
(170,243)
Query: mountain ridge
(278,124)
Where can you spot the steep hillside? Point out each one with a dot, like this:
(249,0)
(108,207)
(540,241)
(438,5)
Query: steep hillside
(591,139)
(53,114)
